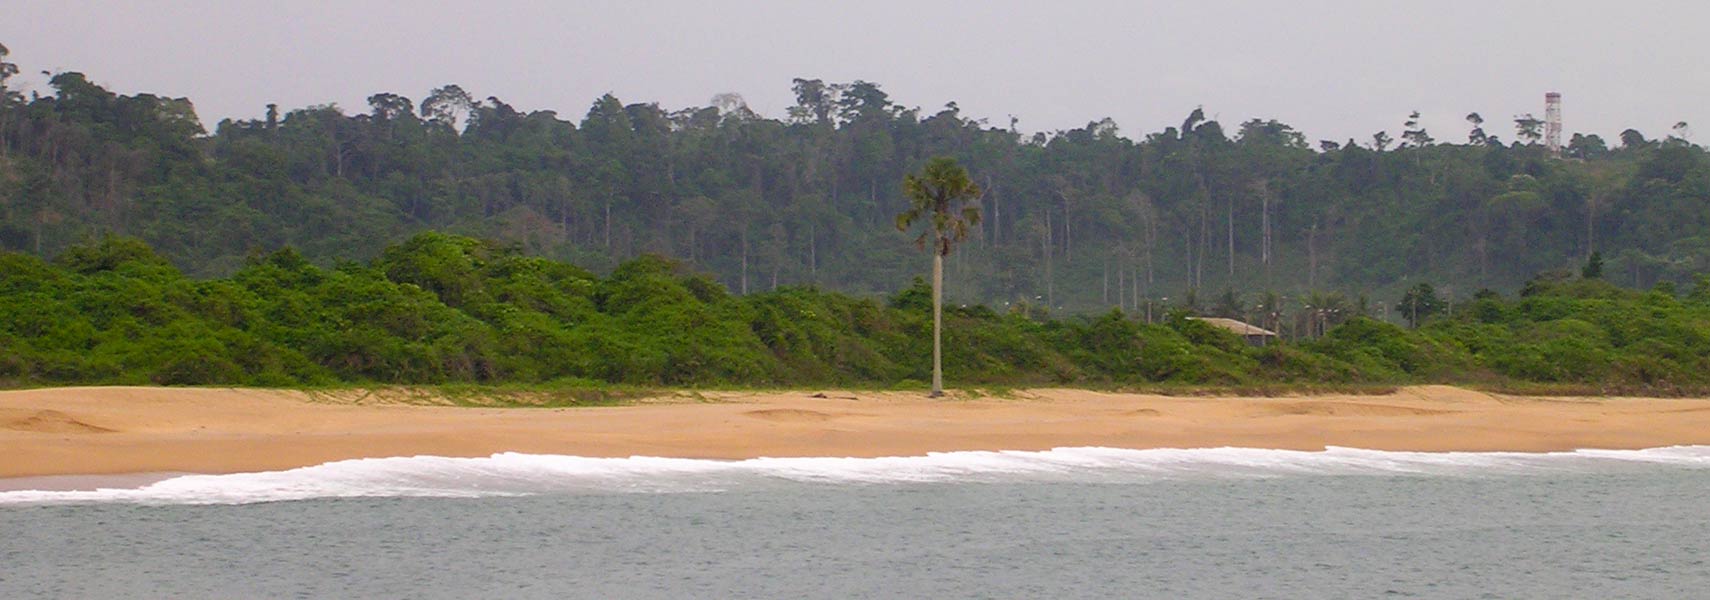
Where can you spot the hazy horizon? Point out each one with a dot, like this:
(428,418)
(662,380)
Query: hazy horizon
(1332,70)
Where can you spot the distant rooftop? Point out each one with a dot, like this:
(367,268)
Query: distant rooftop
(1236,327)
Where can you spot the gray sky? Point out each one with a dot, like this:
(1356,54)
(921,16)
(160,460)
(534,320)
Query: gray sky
(1332,69)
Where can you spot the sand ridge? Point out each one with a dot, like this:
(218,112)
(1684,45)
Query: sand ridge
(1351,409)
(791,414)
(45,421)
(108,430)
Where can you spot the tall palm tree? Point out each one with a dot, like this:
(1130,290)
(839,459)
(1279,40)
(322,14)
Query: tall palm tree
(939,196)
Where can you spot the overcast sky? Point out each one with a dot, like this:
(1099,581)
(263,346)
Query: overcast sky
(1332,69)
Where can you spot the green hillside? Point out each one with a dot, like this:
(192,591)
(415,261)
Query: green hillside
(1081,220)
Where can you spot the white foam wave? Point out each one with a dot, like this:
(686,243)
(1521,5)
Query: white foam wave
(513,474)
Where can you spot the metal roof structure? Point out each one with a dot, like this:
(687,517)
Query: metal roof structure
(1235,327)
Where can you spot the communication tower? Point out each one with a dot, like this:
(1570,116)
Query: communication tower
(1553,123)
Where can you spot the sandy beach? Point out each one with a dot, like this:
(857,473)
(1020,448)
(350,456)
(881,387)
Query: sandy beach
(118,430)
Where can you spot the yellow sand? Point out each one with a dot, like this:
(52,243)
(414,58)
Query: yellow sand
(111,430)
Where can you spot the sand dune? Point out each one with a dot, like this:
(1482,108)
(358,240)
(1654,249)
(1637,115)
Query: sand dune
(109,430)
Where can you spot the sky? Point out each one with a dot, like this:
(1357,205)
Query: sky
(1332,69)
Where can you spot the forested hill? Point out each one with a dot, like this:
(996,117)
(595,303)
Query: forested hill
(1081,219)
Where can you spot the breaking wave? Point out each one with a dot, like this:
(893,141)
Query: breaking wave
(512,474)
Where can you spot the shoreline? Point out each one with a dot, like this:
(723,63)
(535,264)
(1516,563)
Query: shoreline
(81,435)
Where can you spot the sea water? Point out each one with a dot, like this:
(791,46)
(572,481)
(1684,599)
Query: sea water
(1072,522)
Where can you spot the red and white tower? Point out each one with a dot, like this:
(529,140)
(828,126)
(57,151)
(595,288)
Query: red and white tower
(1553,123)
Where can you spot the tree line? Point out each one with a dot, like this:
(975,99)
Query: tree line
(1251,220)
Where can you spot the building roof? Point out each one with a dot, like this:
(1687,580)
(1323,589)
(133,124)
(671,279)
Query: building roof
(1235,327)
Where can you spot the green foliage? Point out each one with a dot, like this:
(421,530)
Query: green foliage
(938,196)
(447,309)
(1593,267)
(1070,218)
(1384,351)
(109,253)
(1419,303)
(453,240)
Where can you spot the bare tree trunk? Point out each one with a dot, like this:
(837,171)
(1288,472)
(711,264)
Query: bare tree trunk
(338,157)
(1068,240)
(992,189)
(1265,226)
(1590,216)
(1312,256)
(937,324)
(1151,241)
(1135,281)
(1187,245)
(980,200)
(114,216)
(873,196)
(1483,260)
(1050,282)
(1121,286)
(1231,223)
(1204,242)
(564,217)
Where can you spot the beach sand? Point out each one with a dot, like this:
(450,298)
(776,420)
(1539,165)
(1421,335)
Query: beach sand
(119,430)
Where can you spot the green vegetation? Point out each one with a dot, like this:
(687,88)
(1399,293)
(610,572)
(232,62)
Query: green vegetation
(1080,221)
(464,242)
(449,310)
(939,196)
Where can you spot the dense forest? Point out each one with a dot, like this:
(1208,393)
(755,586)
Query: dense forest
(440,308)
(1081,221)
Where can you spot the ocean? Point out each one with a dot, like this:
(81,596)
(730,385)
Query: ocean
(1065,523)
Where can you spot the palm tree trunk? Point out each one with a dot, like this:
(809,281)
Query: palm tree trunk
(937,324)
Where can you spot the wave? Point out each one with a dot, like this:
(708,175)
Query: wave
(513,474)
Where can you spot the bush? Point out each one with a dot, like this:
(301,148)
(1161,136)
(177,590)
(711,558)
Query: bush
(448,309)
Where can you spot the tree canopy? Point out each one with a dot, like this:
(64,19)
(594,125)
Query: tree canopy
(1082,220)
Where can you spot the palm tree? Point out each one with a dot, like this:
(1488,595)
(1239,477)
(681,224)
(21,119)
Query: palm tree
(939,196)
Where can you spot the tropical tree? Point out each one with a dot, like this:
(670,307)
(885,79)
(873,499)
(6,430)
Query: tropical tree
(939,196)
(445,104)
(1528,128)
(1476,137)
(1593,266)
(7,96)
(7,70)
(1419,302)
(1633,139)
(1381,140)
(1415,134)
